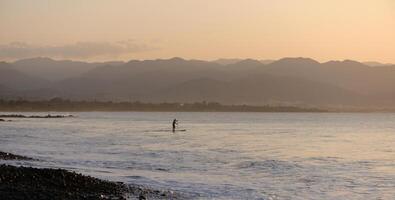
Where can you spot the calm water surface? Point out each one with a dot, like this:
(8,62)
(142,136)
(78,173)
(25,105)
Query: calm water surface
(221,155)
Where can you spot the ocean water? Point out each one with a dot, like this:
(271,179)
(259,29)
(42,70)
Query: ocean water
(221,155)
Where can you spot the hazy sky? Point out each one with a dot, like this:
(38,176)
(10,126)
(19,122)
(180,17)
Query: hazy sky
(201,29)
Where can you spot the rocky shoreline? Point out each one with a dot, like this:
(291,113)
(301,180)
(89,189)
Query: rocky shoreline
(10,156)
(17,183)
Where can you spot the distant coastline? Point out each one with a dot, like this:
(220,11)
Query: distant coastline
(77,106)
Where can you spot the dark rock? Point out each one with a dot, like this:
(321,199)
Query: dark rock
(17,183)
(30,183)
(10,156)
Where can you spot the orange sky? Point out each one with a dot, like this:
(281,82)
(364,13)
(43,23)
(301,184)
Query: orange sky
(324,30)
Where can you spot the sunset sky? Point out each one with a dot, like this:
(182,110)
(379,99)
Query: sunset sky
(324,30)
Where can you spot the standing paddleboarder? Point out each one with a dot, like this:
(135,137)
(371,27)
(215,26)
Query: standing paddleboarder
(175,122)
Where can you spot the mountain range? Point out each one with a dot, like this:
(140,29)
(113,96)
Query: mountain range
(287,81)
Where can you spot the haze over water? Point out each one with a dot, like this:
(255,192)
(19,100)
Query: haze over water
(221,155)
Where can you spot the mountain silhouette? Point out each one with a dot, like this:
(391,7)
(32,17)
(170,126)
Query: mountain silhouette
(14,79)
(377,64)
(290,81)
(55,70)
(347,74)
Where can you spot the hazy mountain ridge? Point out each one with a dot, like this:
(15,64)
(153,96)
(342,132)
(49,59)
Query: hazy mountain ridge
(14,79)
(291,81)
(256,89)
(56,70)
(377,64)
(347,74)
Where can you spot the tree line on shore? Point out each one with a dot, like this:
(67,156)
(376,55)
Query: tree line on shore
(58,104)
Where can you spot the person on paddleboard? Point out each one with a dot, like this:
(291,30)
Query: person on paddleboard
(175,123)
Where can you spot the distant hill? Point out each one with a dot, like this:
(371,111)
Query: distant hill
(14,79)
(350,75)
(377,64)
(268,61)
(258,90)
(288,81)
(227,61)
(4,91)
(55,70)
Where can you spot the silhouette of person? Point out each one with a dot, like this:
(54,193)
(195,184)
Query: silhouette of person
(175,122)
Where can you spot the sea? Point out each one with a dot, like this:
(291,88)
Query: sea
(221,155)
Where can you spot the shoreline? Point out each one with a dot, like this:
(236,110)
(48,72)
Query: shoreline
(68,105)
(20,182)
(48,116)
(178,111)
